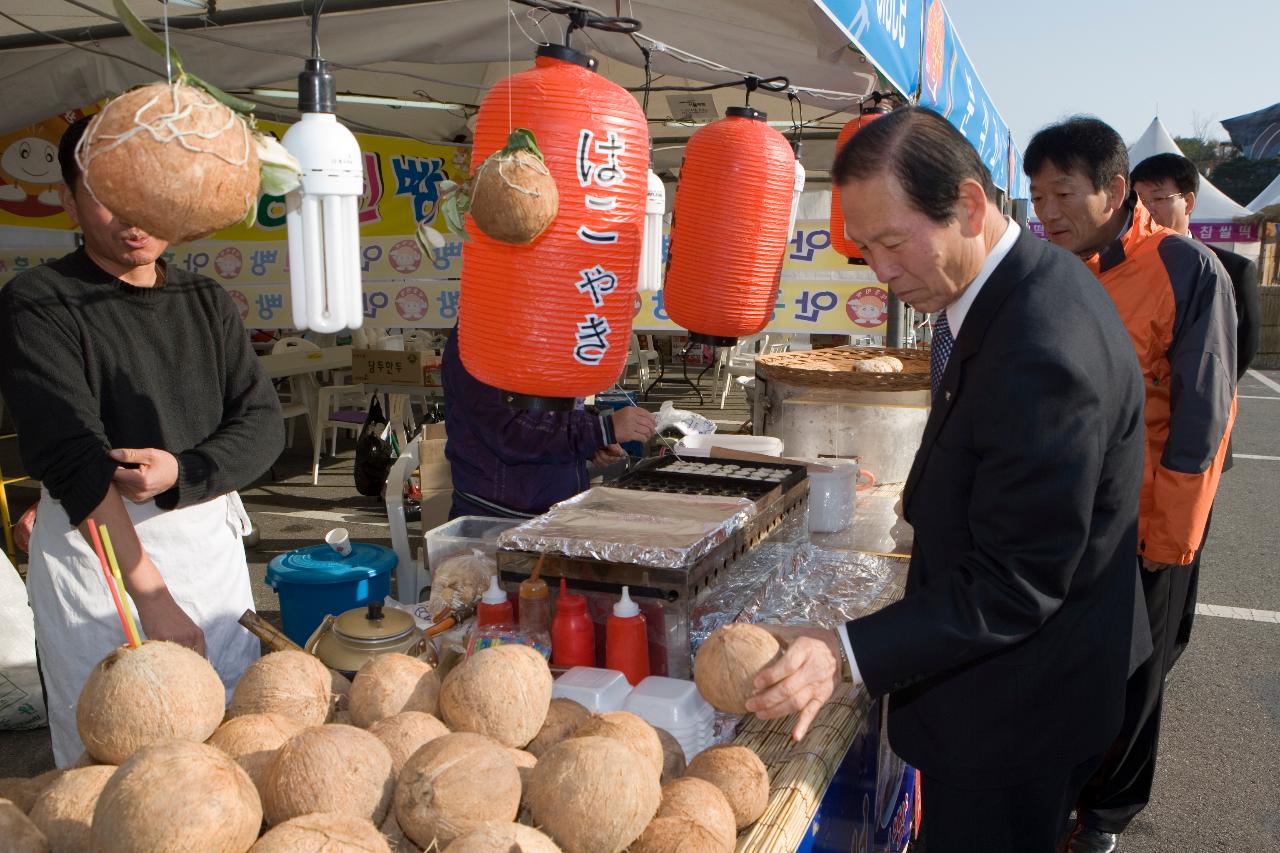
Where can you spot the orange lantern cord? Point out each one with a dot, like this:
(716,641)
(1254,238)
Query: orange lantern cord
(129,636)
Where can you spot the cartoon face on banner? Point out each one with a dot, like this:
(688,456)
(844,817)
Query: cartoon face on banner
(867,308)
(241,301)
(412,303)
(228,262)
(406,257)
(29,170)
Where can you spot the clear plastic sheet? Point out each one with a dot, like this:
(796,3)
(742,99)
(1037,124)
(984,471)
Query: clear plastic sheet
(824,588)
(625,526)
(739,586)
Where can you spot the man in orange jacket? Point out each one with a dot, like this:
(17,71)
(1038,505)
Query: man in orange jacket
(1177,302)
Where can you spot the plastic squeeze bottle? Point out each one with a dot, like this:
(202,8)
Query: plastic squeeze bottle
(535,606)
(495,607)
(626,640)
(573,635)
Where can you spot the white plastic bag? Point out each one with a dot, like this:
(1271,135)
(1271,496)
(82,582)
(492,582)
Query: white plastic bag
(21,699)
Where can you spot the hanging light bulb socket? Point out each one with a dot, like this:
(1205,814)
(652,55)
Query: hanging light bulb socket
(316,90)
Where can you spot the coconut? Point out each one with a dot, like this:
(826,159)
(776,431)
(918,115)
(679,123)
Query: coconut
(311,833)
(339,696)
(728,663)
(85,760)
(503,692)
(673,760)
(700,801)
(339,769)
(177,796)
(513,196)
(406,733)
(679,835)
(157,692)
(23,792)
(632,730)
(395,836)
(391,683)
(19,833)
(253,741)
(504,837)
(292,683)
(454,784)
(171,160)
(740,775)
(593,794)
(64,811)
(563,719)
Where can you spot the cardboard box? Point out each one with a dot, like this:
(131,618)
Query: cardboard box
(436,477)
(395,367)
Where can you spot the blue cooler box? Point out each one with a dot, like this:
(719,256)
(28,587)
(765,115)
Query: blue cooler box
(315,582)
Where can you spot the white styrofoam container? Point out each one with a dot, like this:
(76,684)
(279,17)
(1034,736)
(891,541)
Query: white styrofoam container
(675,705)
(597,690)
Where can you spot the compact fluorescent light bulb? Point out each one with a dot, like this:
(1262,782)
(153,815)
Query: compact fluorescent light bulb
(323,213)
(651,246)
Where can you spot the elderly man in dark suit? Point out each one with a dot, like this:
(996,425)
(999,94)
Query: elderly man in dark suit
(1005,661)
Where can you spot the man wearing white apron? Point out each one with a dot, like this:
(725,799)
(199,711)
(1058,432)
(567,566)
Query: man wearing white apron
(139,403)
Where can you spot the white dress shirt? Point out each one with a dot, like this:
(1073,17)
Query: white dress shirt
(956,313)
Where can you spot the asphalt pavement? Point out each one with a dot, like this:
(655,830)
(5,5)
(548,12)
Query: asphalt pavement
(1218,779)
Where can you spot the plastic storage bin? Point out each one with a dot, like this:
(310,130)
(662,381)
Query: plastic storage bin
(462,535)
(597,690)
(315,582)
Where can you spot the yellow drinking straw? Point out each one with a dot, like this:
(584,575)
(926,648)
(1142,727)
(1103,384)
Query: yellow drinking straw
(115,572)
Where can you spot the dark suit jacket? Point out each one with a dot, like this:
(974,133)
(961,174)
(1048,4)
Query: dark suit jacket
(1007,657)
(1244,278)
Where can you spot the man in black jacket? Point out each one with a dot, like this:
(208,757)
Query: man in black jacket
(1005,662)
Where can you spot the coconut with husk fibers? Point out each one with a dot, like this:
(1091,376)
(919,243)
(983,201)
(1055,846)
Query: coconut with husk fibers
(454,784)
(630,729)
(728,663)
(406,733)
(740,775)
(23,791)
(18,833)
(564,716)
(700,801)
(513,196)
(175,797)
(673,758)
(593,794)
(389,684)
(64,810)
(172,160)
(156,692)
(340,769)
(503,838)
(291,683)
(253,741)
(502,692)
(323,832)
(679,835)
(395,836)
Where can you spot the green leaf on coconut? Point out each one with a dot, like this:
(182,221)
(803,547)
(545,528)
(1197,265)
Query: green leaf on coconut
(453,217)
(240,105)
(429,239)
(522,139)
(279,171)
(144,34)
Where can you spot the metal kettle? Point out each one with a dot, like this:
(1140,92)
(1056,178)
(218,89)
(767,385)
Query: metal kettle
(348,641)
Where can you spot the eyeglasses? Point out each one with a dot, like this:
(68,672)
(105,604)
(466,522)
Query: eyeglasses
(1154,200)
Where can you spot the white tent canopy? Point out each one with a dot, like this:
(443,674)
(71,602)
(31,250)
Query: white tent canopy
(1212,204)
(1268,197)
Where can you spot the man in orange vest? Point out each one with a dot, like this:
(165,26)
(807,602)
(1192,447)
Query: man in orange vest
(1177,302)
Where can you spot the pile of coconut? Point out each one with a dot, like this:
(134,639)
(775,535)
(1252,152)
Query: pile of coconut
(398,759)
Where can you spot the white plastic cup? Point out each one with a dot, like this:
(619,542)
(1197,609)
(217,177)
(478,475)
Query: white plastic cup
(339,540)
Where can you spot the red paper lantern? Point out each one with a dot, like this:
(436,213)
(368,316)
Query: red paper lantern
(551,321)
(729,228)
(839,241)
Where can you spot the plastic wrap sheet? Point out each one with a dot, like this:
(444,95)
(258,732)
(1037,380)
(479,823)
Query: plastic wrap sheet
(737,588)
(641,528)
(826,588)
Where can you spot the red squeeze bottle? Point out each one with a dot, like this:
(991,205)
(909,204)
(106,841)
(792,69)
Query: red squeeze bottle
(495,607)
(573,635)
(626,641)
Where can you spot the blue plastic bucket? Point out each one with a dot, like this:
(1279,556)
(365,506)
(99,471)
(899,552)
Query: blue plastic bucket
(315,582)
(620,400)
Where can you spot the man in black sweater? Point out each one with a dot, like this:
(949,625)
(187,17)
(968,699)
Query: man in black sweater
(139,404)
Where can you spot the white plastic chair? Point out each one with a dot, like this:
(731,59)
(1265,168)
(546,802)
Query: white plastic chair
(409,565)
(639,359)
(335,411)
(299,401)
(739,363)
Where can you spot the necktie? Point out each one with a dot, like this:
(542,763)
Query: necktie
(939,350)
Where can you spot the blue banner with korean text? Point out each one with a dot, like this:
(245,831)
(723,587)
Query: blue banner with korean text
(887,32)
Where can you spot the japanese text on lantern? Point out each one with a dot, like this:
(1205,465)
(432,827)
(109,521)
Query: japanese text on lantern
(591,342)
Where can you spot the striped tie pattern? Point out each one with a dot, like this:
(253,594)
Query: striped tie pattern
(939,350)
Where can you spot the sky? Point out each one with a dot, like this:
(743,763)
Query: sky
(1123,60)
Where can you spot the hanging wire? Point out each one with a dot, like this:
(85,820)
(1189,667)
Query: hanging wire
(510,121)
(315,28)
(106,53)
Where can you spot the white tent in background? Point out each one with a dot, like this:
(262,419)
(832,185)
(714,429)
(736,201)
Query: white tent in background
(1268,197)
(1213,219)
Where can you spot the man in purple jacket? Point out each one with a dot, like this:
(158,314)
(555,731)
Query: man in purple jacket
(509,463)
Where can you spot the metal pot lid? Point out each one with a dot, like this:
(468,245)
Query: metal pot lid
(374,624)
